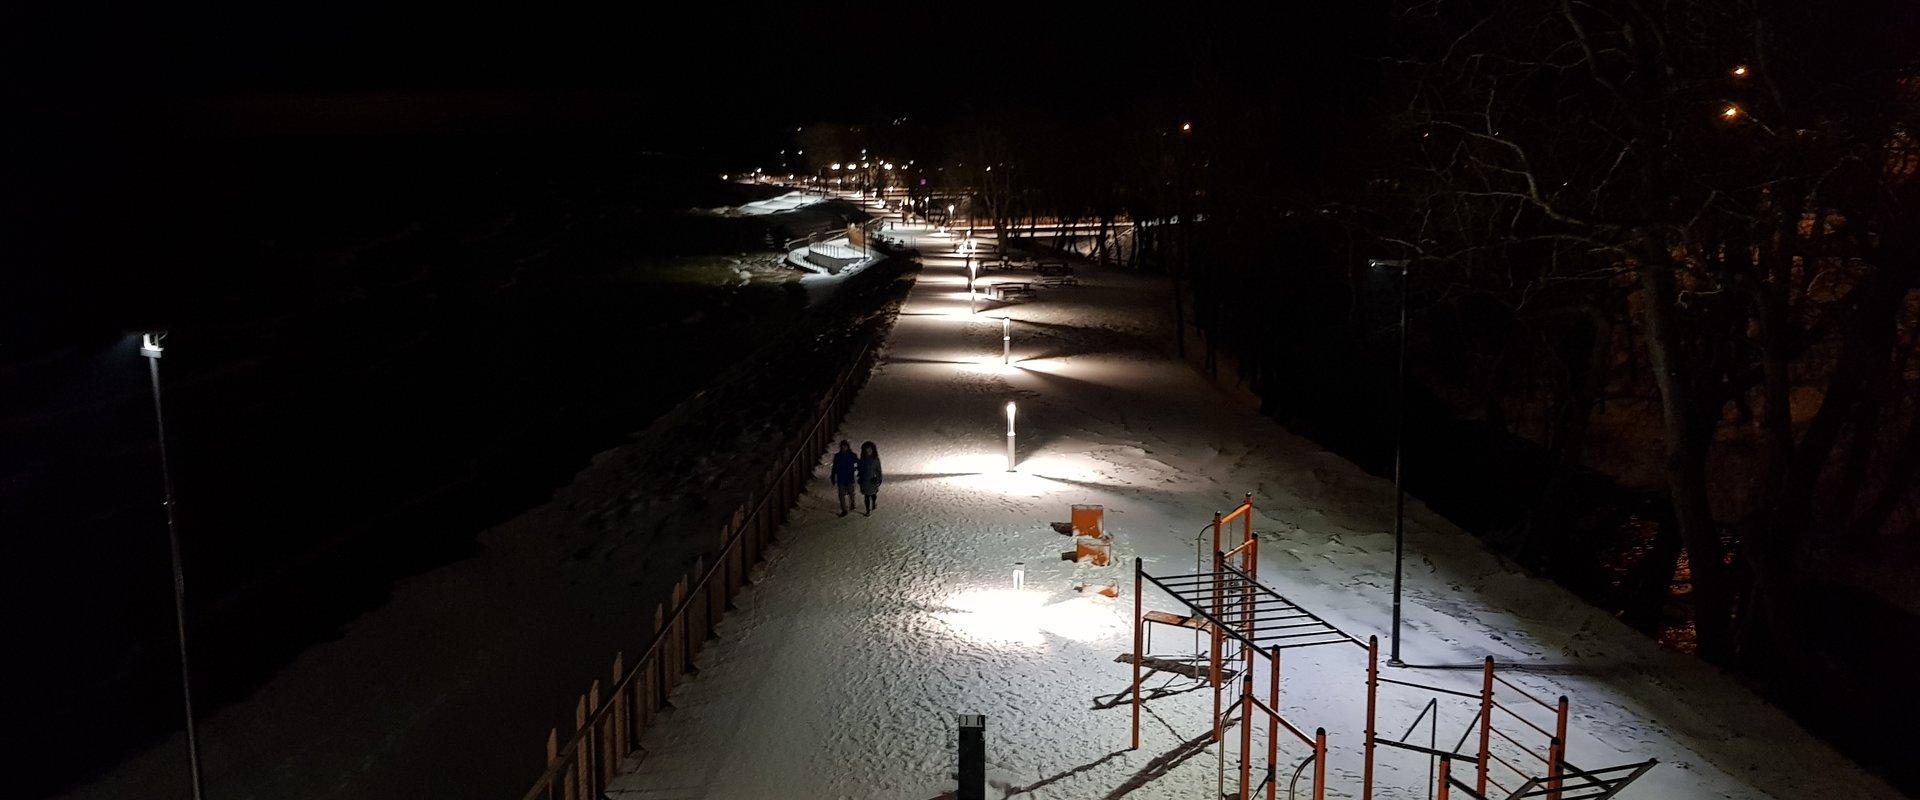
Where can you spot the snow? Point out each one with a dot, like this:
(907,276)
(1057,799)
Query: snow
(771,205)
(449,687)
(843,672)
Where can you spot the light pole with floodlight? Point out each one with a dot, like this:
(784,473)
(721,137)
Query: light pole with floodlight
(150,346)
(1399,430)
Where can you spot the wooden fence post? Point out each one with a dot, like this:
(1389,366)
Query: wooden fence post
(622,719)
(595,761)
(577,787)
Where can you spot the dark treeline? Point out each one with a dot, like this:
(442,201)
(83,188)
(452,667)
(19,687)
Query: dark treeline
(1666,250)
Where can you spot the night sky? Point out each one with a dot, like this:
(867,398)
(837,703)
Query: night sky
(124,109)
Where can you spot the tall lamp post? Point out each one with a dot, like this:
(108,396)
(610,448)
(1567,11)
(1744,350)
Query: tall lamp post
(150,346)
(1399,430)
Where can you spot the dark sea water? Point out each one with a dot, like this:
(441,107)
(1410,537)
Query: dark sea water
(378,346)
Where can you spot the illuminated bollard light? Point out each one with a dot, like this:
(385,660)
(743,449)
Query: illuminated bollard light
(1010,446)
(1006,341)
(973,274)
(1019,575)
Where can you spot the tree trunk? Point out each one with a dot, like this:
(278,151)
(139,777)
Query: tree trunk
(1544,538)
(1687,433)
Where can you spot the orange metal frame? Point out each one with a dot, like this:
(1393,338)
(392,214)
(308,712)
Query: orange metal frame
(1489,701)
(1228,602)
(1232,599)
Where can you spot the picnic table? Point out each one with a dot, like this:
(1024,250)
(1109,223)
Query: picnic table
(1055,273)
(1010,289)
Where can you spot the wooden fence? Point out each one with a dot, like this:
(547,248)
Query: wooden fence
(608,722)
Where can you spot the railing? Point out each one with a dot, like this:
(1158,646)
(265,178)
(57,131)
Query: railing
(608,726)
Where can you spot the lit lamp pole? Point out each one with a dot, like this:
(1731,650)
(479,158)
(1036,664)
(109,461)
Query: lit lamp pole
(973,274)
(1399,428)
(151,348)
(949,224)
(1006,341)
(1010,446)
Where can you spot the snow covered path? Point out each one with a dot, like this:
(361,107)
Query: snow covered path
(843,673)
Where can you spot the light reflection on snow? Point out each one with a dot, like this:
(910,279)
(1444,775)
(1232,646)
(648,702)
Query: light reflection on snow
(1039,474)
(1024,617)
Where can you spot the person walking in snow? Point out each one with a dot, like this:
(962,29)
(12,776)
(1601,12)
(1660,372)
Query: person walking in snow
(846,467)
(869,476)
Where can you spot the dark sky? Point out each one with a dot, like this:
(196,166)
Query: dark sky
(116,108)
(706,69)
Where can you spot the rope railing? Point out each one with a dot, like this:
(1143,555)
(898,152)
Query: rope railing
(608,726)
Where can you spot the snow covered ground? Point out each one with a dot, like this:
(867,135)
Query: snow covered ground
(848,259)
(449,687)
(772,205)
(843,673)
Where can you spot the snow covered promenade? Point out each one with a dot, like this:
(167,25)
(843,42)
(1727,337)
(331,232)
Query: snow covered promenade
(843,671)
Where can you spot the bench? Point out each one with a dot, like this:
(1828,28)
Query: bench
(1008,291)
(1055,273)
(1175,621)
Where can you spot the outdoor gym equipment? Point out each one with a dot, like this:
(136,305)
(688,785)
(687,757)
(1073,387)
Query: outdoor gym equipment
(1244,618)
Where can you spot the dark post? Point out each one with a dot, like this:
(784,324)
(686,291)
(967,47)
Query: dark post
(151,348)
(1399,488)
(973,757)
(1399,430)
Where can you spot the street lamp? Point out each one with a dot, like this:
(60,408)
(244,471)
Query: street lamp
(1010,446)
(1006,341)
(1399,429)
(949,216)
(151,347)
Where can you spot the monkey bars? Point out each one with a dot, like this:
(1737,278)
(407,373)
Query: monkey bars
(1560,780)
(1243,617)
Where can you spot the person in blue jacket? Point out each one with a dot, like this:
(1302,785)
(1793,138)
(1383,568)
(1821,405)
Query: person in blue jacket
(846,469)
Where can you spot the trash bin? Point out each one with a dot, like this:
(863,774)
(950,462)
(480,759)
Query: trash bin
(1086,519)
(1097,548)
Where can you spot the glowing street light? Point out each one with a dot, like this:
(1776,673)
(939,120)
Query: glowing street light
(1010,444)
(1739,70)
(1186,127)
(1731,112)
(1006,341)
(151,347)
(973,274)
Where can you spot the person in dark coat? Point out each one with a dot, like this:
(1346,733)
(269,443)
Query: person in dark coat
(846,468)
(870,474)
